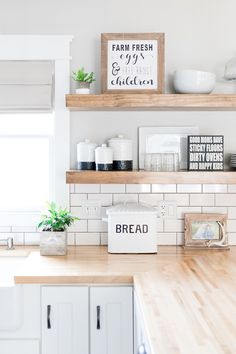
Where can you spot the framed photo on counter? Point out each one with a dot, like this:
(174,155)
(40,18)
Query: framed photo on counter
(132,62)
(205,231)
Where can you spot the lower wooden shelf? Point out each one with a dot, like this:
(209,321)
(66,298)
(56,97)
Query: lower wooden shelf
(138,177)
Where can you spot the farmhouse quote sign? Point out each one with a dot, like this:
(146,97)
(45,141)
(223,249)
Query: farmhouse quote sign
(132,62)
(205,152)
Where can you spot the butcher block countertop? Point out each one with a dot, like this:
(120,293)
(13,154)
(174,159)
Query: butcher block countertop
(188,298)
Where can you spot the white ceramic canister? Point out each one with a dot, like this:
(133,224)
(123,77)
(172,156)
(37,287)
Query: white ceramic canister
(86,155)
(122,153)
(104,158)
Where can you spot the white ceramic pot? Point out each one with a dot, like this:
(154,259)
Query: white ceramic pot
(53,243)
(86,155)
(104,158)
(132,228)
(122,153)
(83,88)
(193,81)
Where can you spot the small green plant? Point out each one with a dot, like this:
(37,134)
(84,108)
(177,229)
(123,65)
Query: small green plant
(81,75)
(57,219)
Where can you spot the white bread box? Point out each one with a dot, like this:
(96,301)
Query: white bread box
(132,228)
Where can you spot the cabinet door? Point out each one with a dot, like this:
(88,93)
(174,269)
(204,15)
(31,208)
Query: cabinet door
(111,320)
(65,320)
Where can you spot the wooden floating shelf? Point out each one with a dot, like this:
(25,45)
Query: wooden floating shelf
(137,177)
(151,101)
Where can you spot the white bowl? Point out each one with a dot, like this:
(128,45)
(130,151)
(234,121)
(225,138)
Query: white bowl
(194,81)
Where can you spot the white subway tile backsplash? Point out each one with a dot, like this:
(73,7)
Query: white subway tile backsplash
(232,239)
(225,200)
(231,226)
(231,188)
(112,188)
(138,188)
(215,210)
(189,188)
(180,239)
(87,238)
(97,226)
(164,188)
(125,198)
(173,225)
(32,238)
(79,226)
(189,198)
(77,199)
(70,238)
(232,212)
(159,225)
(18,238)
(87,188)
(187,210)
(77,211)
(180,199)
(24,228)
(104,238)
(202,199)
(105,199)
(166,239)
(214,188)
(151,199)
(5,229)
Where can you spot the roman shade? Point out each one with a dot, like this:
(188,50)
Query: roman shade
(26,85)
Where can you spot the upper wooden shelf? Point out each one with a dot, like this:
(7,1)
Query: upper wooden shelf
(137,177)
(151,101)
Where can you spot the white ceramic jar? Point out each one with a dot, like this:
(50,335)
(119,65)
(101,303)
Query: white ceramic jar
(104,158)
(86,155)
(122,153)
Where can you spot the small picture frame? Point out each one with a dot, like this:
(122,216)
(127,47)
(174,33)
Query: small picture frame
(205,152)
(205,231)
(132,62)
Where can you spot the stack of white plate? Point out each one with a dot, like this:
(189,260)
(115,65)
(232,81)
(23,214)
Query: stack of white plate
(233,160)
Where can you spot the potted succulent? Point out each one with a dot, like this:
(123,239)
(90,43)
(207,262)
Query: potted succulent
(53,237)
(83,80)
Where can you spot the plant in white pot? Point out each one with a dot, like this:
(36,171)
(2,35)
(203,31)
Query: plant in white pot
(83,80)
(53,237)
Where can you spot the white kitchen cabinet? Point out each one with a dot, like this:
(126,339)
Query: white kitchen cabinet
(111,320)
(65,320)
(21,346)
(141,342)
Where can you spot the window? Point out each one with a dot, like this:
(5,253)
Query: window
(26,159)
(34,146)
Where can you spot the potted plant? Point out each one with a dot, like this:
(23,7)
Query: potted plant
(84,80)
(53,237)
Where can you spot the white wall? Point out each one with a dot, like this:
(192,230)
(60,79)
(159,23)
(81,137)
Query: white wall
(199,34)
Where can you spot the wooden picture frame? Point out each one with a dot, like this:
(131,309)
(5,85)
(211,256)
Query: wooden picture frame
(205,231)
(132,62)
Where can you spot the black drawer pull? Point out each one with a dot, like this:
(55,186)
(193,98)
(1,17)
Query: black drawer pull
(49,316)
(98,317)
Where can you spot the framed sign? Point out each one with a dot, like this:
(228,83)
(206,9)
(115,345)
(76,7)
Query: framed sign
(132,62)
(205,231)
(205,152)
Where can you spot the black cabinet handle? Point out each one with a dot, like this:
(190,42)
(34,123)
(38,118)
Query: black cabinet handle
(98,317)
(49,316)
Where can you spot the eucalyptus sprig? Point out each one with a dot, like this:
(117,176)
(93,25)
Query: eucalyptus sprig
(81,75)
(57,219)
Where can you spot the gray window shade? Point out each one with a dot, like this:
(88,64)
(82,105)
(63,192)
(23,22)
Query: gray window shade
(26,85)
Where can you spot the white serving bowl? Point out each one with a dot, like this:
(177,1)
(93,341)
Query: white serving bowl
(194,81)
